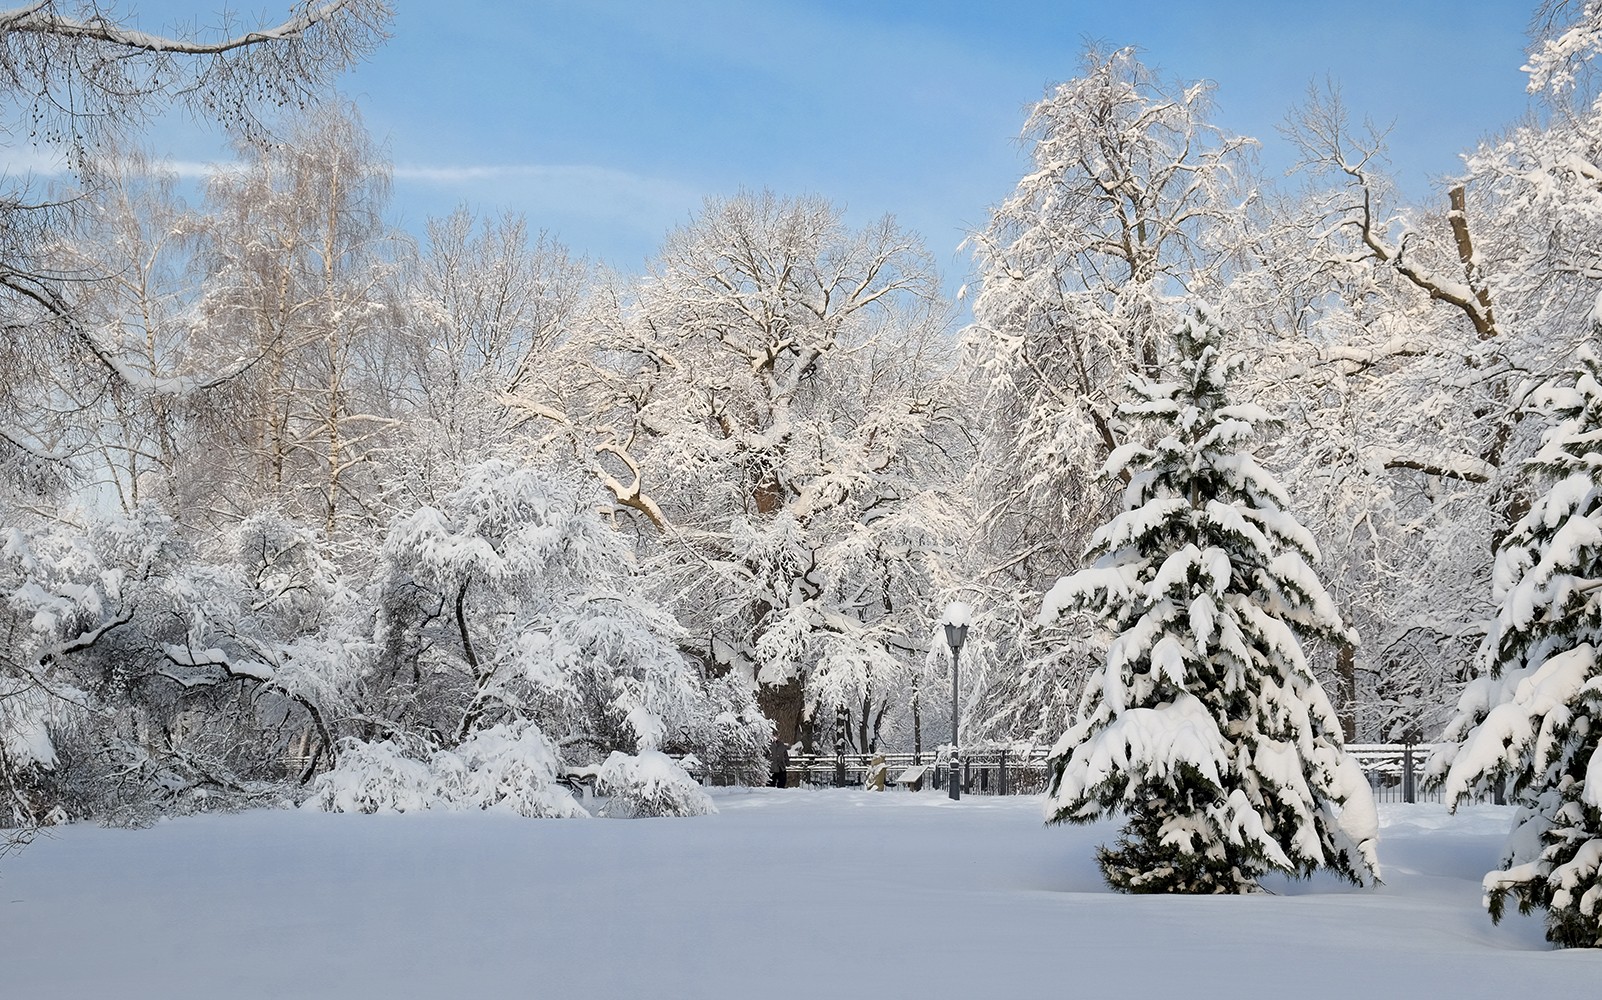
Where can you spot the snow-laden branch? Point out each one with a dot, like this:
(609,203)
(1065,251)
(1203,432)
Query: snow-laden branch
(1467,468)
(43,19)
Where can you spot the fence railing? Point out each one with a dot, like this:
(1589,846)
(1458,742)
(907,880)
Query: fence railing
(1019,769)
(1395,771)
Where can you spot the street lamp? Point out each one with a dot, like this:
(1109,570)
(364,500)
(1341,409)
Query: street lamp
(956,621)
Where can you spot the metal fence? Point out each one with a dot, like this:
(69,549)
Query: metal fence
(1395,771)
(1019,769)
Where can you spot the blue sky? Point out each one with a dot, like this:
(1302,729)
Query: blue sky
(607,122)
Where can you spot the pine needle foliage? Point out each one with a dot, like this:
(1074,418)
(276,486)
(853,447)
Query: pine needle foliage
(1205,726)
(1531,724)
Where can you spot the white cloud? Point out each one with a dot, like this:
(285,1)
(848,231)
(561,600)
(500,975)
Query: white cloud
(195,169)
(605,211)
(25,161)
(32,162)
(573,190)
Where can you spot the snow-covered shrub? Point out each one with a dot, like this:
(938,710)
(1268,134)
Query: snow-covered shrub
(511,768)
(731,738)
(282,566)
(505,768)
(30,772)
(1532,722)
(515,600)
(129,781)
(81,595)
(1206,726)
(649,784)
(375,778)
(170,683)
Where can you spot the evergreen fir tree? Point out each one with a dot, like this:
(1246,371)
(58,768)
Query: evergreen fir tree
(1205,726)
(1531,722)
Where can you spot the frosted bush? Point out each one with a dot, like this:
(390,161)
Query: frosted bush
(649,784)
(550,625)
(506,768)
(375,778)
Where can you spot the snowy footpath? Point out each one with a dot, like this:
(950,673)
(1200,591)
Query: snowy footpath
(783,894)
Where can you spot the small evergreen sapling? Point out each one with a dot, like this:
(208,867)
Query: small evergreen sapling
(1205,726)
(1530,722)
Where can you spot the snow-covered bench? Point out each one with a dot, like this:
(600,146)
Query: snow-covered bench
(580,781)
(912,778)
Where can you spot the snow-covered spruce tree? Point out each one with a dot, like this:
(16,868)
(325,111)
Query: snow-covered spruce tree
(1530,723)
(1206,726)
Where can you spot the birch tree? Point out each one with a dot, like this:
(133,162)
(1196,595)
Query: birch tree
(78,78)
(300,295)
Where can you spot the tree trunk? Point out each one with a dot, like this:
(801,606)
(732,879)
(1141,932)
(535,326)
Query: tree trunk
(1346,674)
(783,704)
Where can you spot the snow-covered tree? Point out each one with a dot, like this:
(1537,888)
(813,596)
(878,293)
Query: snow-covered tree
(1384,354)
(769,406)
(1532,723)
(133,422)
(1423,324)
(1205,726)
(515,608)
(81,77)
(81,71)
(487,303)
(1128,206)
(1568,35)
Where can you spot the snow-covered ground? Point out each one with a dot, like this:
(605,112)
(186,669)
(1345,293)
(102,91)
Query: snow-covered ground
(784,893)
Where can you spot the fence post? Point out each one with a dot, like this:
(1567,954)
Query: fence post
(1407,772)
(1001,786)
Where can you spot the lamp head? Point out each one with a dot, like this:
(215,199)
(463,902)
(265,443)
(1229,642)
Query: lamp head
(956,635)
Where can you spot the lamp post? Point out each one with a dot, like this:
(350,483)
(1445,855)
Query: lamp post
(955,620)
(839,745)
(917,724)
